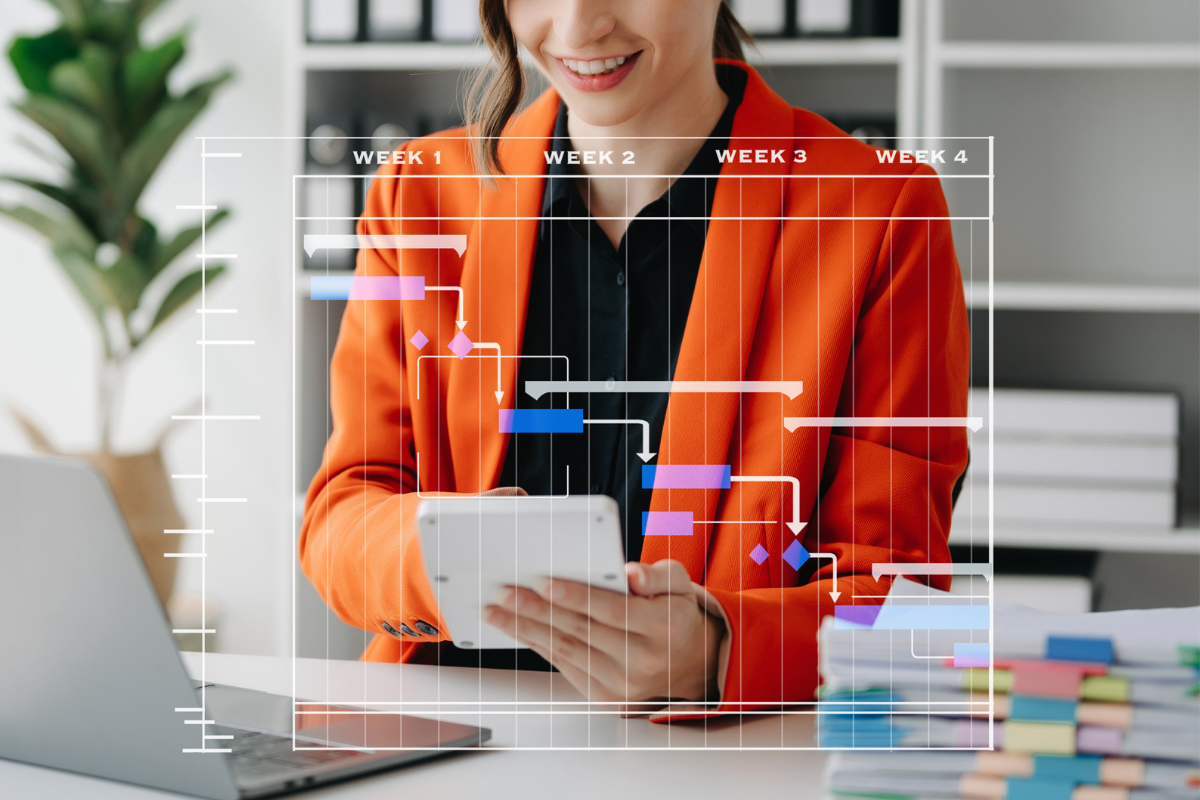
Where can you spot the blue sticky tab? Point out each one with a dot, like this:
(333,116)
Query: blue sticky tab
(1076,648)
(1041,709)
(1081,769)
(1038,789)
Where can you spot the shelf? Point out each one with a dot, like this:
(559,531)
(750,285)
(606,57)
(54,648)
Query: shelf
(451,56)
(415,56)
(810,52)
(1084,297)
(1111,539)
(1068,55)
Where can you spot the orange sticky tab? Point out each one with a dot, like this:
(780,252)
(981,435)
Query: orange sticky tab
(1123,771)
(998,762)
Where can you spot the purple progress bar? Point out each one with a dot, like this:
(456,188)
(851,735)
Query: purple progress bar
(685,476)
(666,523)
(358,287)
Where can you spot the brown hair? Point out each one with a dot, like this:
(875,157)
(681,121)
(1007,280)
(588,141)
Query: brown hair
(498,89)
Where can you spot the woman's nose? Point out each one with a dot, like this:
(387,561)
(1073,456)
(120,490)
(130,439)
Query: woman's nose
(581,22)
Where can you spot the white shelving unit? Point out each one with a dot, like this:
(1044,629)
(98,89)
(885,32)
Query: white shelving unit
(1108,539)
(1083,297)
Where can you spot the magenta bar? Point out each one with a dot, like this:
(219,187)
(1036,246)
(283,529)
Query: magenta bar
(666,523)
(685,476)
(356,287)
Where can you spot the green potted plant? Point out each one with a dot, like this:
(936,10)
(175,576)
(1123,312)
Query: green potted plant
(104,98)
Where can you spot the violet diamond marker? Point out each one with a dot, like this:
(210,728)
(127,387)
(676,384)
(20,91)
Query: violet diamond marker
(419,340)
(759,554)
(460,345)
(795,555)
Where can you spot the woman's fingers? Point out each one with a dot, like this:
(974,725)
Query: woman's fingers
(607,607)
(589,629)
(661,577)
(564,649)
(505,491)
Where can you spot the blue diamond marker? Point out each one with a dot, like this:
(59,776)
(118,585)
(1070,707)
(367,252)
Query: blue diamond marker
(759,554)
(795,555)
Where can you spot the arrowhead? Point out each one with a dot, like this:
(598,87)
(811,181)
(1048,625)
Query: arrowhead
(835,594)
(499,396)
(645,456)
(462,323)
(796,527)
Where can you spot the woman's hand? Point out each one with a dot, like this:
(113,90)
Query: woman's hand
(655,644)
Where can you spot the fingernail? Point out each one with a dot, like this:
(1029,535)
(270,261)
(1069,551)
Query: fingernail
(555,590)
(510,599)
(490,613)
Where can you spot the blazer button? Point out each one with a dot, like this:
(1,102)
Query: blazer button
(409,630)
(620,279)
(391,630)
(425,627)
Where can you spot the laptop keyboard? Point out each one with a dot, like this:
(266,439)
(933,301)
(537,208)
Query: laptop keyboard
(259,754)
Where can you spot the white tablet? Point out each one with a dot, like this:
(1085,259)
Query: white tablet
(474,547)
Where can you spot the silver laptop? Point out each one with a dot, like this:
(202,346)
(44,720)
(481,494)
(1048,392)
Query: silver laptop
(91,682)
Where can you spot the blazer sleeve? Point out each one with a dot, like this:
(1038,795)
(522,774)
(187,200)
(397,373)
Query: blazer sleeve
(358,543)
(885,492)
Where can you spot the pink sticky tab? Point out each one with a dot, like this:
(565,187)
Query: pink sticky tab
(1095,739)
(1046,683)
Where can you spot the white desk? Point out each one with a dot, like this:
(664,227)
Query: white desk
(514,709)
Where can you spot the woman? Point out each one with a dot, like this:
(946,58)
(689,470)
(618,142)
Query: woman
(758,275)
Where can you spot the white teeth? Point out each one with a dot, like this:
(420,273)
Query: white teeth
(594,67)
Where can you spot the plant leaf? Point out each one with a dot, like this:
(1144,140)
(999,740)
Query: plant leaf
(74,12)
(85,275)
(156,139)
(34,57)
(144,8)
(184,239)
(60,231)
(79,133)
(73,200)
(145,79)
(126,280)
(88,80)
(146,246)
(187,288)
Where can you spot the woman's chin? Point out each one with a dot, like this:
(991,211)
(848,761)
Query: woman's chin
(603,110)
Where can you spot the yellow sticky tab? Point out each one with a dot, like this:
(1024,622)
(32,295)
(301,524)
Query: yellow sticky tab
(1055,738)
(1105,687)
(975,679)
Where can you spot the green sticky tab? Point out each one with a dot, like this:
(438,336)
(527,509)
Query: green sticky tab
(1189,655)
(1107,688)
(975,679)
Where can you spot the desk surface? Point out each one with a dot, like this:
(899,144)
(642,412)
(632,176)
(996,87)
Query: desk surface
(580,755)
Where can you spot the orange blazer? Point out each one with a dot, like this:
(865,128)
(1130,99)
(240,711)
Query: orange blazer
(822,264)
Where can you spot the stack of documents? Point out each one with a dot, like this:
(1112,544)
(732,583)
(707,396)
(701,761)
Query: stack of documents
(1098,706)
(1076,457)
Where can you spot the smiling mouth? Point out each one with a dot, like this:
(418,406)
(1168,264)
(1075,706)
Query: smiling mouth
(586,68)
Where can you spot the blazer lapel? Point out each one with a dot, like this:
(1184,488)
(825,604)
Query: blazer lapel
(497,266)
(737,258)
